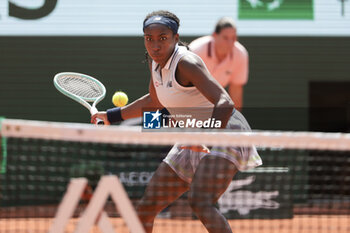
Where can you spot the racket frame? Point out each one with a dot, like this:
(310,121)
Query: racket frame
(82,100)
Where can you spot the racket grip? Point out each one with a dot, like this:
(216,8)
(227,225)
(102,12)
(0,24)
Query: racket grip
(99,122)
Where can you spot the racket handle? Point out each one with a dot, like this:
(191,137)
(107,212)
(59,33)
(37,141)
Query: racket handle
(99,122)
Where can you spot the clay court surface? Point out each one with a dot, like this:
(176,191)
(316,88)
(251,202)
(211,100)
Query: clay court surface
(299,224)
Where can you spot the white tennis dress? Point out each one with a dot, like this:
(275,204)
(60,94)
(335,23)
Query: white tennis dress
(188,102)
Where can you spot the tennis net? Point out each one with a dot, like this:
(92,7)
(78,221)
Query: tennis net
(302,186)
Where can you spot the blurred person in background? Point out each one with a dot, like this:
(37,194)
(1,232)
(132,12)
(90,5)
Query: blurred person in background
(226,59)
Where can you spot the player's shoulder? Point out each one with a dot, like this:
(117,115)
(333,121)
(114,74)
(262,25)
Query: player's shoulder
(190,60)
(189,67)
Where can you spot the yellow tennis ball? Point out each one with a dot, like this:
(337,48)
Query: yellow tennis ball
(120,99)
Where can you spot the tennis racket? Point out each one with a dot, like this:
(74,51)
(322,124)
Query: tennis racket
(81,88)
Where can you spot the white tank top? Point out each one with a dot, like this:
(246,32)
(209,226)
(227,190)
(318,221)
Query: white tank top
(180,101)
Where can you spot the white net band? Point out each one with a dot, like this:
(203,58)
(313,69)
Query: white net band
(135,135)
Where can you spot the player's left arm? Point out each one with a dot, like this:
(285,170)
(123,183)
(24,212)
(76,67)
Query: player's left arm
(192,70)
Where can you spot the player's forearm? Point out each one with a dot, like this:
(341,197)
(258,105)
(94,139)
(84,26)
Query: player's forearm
(223,110)
(136,108)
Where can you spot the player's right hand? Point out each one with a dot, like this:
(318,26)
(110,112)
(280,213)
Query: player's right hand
(101,116)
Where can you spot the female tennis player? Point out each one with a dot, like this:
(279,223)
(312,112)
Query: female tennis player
(181,82)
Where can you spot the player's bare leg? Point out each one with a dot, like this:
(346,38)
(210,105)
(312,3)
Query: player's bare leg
(212,177)
(164,188)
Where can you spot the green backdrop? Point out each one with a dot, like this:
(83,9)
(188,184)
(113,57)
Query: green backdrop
(276,96)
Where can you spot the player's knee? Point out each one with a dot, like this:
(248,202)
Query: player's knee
(199,201)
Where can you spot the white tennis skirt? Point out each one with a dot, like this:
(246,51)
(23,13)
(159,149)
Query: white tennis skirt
(185,159)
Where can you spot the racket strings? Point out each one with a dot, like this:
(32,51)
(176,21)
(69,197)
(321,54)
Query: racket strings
(80,86)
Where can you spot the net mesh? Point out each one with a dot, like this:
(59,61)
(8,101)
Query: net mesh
(301,187)
(80,86)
